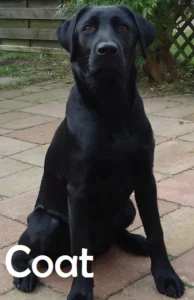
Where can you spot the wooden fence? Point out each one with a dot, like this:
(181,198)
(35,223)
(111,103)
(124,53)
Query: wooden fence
(29,25)
(183,47)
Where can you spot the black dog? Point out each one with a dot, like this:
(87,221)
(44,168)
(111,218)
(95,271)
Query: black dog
(100,154)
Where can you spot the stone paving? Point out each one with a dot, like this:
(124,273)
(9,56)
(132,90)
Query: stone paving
(28,120)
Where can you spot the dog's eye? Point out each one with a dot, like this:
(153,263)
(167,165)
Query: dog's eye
(89,28)
(124,27)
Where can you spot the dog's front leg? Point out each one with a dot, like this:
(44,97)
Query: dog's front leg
(82,287)
(167,281)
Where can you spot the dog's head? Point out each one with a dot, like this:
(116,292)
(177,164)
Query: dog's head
(103,39)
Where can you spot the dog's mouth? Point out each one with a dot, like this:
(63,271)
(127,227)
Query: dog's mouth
(103,71)
(106,72)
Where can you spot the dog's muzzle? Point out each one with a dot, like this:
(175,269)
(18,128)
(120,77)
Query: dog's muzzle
(107,59)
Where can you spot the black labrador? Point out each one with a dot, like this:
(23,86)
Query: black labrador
(102,152)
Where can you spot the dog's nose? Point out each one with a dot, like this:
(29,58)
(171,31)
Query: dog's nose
(109,49)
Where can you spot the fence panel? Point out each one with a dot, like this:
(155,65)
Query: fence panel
(30,25)
(183,46)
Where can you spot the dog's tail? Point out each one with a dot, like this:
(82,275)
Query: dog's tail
(130,242)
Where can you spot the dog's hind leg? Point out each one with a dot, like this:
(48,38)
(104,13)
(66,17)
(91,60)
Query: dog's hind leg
(126,240)
(38,237)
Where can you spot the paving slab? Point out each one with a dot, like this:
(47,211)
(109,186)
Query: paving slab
(12,116)
(44,96)
(4,131)
(39,294)
(159,176)
(55,109)
(10,146)
(145,289)
(184,266)
(57,85)
(13,104)
(41,134)
(31,89)
(152,106)
(27,122)
(2,110)
(10,231)
(2,198)
(6,282)
(3,253)
(10,166)
(178,189)
(160,139)
(11,94)
(190,118)
(179,99)
(21,182)
(174,157)
(21,206)
(178,112)
(112,272)
(178,230)
(66,89)
(164,208)
(170,127)
(187,137)
(43,83)
(35,156)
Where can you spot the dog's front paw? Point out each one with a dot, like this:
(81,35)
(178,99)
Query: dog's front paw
(81,289)
(80,296)
(26,284)
(168,283)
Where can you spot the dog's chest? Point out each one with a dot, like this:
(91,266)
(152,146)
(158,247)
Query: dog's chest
(120,151)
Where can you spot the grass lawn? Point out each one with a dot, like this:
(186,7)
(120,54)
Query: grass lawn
(32,68)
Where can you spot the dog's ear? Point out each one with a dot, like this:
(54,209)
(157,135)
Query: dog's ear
(146,30)
(65,32)
(147,33)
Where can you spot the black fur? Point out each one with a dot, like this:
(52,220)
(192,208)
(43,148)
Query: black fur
(102,152)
